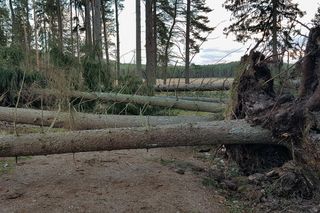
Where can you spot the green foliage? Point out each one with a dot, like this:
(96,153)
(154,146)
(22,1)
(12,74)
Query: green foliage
(21,28)
(96,74)
(11,56)
(210,182)
(197,71)
(199,24)
(202,71)
(60,59)
(131,84)
(316,19)
(10,83)
(4,20)
(251,17)
(6,166)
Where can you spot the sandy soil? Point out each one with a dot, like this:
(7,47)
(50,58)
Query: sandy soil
(119,181)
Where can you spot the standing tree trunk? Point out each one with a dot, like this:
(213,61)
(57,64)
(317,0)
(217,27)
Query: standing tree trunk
(138,39)
(187,62)
(36,34)
(71,28)
(60,25)
(14,23)
(97,29)
(118,39)
(151,54)
(105,33)
(78,36)
(88,25)
(275,56)
(154,39)
(166,52)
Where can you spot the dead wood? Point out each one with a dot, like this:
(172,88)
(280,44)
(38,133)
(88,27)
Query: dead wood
(198,98)
(83,121)
(216,86)
(289,118)
(205,133)
(138,99)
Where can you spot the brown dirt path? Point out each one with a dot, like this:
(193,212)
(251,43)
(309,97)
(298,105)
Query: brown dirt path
(118,181)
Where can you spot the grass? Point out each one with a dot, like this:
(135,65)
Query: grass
(7,165)
(209,182)
(166,162)
(236,206)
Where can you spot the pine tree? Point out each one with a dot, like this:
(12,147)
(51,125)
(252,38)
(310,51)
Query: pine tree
(138,39)
(268,21)
(167,22)
(197,30)
(151,43)
(21,28)
(118,5)
(4,20)
(97,40)
(108,27)
(316,19)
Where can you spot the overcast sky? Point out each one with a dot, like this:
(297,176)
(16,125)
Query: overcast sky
(218,48)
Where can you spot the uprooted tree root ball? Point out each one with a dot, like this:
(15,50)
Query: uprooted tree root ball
(293,120)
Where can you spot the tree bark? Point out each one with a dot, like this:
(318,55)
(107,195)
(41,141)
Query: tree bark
(88,24)
(122,98)
(83,121)
(275,30)
(197,98)
(105,34)
(14,23)
(219,86)
(220,132)
(118,40)
(168,43)
(138,39)
(151,54)
(36,34)
(288,117)
(60,25)
(71,28)
(97,28)
(78,34)
(187,62)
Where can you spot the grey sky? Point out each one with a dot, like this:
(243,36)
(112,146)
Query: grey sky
(219,48)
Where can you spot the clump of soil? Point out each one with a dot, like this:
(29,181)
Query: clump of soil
(288,188)
(292,120)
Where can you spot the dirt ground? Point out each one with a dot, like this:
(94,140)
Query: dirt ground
(118,181)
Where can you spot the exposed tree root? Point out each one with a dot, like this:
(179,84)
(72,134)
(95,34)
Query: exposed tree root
(290,119)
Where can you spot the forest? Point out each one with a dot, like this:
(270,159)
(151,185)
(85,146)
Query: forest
(81,130)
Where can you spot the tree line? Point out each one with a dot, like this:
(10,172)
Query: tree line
(81,37)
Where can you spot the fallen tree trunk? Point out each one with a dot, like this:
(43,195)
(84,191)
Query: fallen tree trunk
(138,99)
(216,86)
(82,121)
(207,133)
(202,99)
